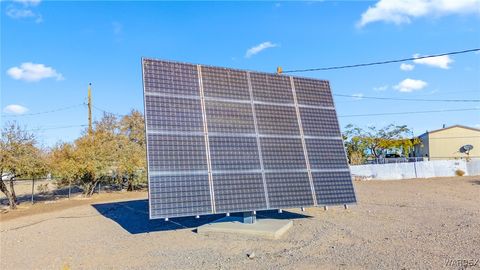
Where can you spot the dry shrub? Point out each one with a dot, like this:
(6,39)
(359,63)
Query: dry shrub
(43,188)
(356,158)
(459,172)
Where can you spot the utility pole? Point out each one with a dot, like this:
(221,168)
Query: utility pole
(90,109)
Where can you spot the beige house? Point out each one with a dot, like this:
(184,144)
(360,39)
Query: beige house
(447,143)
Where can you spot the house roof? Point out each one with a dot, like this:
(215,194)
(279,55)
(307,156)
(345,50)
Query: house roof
(441,129)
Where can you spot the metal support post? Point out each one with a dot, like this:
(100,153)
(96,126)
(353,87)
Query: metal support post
(33,188)
(69,188)
(249,217)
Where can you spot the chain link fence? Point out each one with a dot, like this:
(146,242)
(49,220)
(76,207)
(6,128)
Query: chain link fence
(394,160)
(36,190)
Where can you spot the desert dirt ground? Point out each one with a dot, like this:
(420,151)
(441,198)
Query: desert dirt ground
(406,224)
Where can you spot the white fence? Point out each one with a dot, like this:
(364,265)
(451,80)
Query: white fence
(423,169)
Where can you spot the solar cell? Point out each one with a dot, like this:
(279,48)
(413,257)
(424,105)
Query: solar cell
(288,189)
(179,195)
(271,88)
(170,78)
(277,120)
(225,83)
(238,192)
(174,153)
(313,92)
(173,114)
(234,153)
(333,187)
(228,117)
(319,122)
(282,153)
(222,140)
(326,154)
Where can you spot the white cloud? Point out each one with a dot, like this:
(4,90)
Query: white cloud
(260,47)
(28,2)
(403,11)
(439,61)
(21,10)
(406,67)
(20,13)
(380,88)
(15,109)
(410,85)
(31,72)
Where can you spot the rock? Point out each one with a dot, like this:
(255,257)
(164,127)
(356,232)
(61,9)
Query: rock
(251,255)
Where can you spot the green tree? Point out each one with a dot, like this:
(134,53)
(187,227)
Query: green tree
(19,157)
(355,148)
(378,141)
(63,163)
(132,165)
(113,152)
(91,158)
(133,126)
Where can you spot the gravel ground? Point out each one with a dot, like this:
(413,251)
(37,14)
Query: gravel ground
(407,224)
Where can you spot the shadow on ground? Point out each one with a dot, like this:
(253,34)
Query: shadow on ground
(133,217)
(475,182)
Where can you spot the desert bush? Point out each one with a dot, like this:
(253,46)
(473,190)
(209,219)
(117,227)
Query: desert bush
(459,172)
(113,152)
(43,188)
(356,158)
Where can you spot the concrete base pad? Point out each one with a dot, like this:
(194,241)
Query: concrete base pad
(268,228)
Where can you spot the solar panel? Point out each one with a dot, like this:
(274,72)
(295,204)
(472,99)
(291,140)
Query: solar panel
(222,140)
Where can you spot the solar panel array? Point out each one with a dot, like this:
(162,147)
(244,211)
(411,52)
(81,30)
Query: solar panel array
(222,140)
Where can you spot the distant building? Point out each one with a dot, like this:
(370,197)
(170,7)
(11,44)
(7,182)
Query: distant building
(448,142)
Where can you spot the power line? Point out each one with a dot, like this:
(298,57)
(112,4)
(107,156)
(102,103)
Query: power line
(382,62)
(105,111)
(408,99)
(447,93)
(411,112)
(44,112)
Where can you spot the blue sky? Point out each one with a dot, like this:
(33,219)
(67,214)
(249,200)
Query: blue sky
(51,50)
